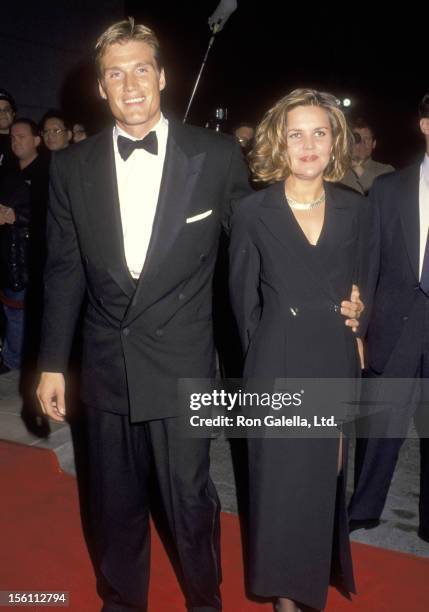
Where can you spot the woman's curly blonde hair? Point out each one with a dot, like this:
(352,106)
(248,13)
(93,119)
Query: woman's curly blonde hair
(269,159)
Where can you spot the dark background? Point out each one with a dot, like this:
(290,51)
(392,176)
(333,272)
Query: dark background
(45,53)
(264,51)
(268,48)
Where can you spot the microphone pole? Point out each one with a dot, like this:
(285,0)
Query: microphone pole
(216,29)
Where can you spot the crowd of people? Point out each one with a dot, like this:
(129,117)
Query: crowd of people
(25,149)
(325,282)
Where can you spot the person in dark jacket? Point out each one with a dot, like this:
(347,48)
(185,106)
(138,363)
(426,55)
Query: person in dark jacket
(8,162)
(22,197)
(14,221)
(397,339)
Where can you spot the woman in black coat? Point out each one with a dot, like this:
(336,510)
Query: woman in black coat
(297,248)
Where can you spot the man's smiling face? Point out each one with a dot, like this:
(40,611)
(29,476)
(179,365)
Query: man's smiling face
(131,83)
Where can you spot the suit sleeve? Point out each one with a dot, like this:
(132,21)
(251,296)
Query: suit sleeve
(369,255)
(237,184)
(64,279)
(244,279)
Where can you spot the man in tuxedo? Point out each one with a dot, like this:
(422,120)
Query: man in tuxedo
(134,223)
(397,338)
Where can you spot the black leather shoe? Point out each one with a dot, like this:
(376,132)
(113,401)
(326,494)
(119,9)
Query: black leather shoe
(355,524)
(423,534)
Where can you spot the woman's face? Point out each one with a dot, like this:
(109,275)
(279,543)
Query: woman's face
(308,141)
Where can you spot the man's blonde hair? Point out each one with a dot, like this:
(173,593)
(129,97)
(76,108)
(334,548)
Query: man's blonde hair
(269,158)
(121,33)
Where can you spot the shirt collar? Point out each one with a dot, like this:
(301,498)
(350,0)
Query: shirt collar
(160,128)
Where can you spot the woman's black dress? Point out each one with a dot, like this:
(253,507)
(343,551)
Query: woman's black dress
(286,297)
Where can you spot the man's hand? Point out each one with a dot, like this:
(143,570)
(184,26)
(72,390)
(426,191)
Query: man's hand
(352,309)
(51,395)
(7,215)
(3,214)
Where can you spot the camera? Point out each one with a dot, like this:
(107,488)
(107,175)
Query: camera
(219,121)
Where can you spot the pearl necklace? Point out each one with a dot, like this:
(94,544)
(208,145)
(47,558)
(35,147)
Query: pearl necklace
(305,205)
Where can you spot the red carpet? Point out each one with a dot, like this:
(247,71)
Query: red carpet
(42,548)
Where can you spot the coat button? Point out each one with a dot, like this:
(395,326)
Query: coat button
(126,331)
(405,318)
(335,308)
(181,296)
(100,301)
(294,310)
(159,332)
(203,257)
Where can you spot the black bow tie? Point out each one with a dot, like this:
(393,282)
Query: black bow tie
(126,146)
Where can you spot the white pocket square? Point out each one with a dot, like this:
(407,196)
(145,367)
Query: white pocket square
(199,217)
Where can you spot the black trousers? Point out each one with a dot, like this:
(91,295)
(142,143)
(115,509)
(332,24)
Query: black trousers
(376,457)
(123,459)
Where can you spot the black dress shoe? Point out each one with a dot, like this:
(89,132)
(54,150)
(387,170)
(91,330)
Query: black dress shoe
(355,524)
(423,534)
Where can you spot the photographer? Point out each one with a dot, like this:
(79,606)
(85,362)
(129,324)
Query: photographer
(364,169)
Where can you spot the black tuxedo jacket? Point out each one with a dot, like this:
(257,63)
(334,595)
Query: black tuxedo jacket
(396,311)
(137,341)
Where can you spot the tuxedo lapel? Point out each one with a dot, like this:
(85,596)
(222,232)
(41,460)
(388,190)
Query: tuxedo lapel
(410,218)
(276,215)
(101,190)
(180,174)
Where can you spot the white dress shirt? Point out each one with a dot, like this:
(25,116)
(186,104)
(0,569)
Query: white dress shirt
(423,208)
(139,180)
